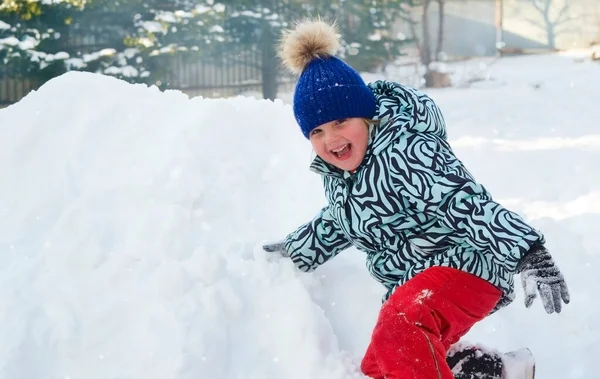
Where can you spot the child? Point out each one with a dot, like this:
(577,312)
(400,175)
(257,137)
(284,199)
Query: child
(433,236)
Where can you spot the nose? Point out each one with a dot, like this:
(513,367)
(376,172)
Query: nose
(331,137)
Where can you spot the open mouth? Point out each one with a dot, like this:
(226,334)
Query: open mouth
(342,152)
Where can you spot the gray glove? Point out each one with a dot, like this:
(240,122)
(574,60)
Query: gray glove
(540,274)
(276,247)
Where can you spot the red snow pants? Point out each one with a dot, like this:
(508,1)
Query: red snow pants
(420,321)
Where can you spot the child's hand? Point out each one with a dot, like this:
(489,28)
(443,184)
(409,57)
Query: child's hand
(276,247)
(540,274)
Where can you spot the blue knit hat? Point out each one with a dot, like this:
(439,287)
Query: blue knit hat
(328,89)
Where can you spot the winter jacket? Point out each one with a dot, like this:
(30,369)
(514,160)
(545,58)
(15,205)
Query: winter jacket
(412,204)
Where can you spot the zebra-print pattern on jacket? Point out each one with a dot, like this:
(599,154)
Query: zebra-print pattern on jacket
(412,204)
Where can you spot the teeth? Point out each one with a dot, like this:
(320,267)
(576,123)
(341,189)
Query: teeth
(340,149)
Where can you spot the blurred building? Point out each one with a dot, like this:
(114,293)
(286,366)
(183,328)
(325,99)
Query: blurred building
(477,27)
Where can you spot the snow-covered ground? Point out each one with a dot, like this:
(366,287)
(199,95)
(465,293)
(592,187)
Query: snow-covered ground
(131,223)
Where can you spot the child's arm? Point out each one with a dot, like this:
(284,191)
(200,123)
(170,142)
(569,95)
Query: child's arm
(433,180)
(315,242)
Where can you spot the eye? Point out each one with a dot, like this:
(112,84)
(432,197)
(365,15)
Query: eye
(341,121)
(314,132)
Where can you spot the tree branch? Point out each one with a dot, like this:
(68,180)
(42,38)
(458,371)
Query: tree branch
(563,12)
(538,5)
(535,23)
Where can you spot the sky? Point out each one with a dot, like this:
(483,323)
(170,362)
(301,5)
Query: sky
(131,222)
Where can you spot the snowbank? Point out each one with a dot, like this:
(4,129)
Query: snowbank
(131,220)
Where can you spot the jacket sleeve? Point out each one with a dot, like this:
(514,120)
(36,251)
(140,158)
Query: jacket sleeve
(427,174)
(315,242)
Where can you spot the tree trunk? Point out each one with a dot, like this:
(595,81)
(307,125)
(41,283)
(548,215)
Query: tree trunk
(426,44)
(551,36)
(269,64)
(550,32)
(433,78)
(440,37)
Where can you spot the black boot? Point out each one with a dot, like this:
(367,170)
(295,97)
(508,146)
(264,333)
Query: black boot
(475,363)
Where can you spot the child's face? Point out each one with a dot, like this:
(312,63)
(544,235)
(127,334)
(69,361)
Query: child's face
(342,143)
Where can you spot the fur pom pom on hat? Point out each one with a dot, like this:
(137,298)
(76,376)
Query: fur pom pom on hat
(328,89)
(309,40)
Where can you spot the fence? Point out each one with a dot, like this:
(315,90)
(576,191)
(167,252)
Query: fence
(236,72)
(12,88)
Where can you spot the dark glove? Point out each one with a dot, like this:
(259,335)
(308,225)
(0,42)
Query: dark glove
(540,274)
(276,247)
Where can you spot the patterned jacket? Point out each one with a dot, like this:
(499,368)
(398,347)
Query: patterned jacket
(412,204)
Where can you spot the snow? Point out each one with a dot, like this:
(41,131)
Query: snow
(126,71)
(98,54)
(131,222)
(217,29)
(166,17)
(9,41)
(154,27)
(29,43)
(75,63)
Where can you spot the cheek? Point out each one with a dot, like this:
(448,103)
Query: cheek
(360,139)
(318,146)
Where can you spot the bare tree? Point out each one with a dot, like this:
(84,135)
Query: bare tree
(554,18)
